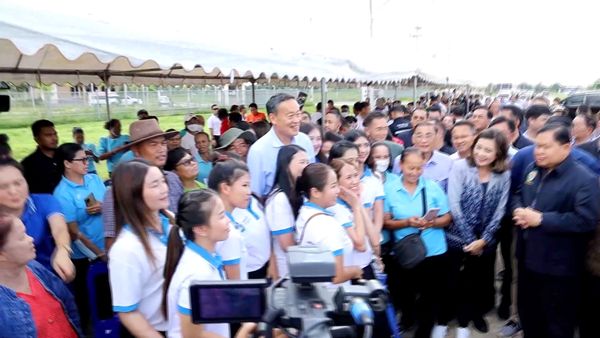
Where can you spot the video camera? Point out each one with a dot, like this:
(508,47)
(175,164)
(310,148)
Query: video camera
(306,301)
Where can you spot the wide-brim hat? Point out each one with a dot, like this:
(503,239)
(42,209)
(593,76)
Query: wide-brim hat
(233,134)
(143,130)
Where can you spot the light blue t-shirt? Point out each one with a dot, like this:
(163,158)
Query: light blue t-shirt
(108,144)
(402,205)
(91,164)
(126,157)
(204,168)
(71,197)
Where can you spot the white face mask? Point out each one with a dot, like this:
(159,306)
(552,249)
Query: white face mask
(382,165)
(194,128)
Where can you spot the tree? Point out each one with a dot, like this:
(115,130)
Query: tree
(555,88)
(539,88)
(524,86)
(596,85)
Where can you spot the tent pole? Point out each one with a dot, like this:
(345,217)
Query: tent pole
(106,87)
(253,92)
(323,104)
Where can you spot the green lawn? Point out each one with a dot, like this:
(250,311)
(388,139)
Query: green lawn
(22,143)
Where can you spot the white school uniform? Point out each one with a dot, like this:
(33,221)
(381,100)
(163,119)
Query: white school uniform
(343,214)
(196,264)
(252,224)
(280,219)
(136,280)
(233,251)
(323,231)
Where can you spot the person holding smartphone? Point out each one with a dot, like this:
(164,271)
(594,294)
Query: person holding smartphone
(414,204)
(78,193)
(477,192)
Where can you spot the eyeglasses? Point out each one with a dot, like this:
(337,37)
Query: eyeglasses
(187,163)
(82,160)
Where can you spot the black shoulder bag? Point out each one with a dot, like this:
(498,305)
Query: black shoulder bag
(410,250)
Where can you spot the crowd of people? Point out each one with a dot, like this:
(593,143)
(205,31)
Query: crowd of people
(429,192)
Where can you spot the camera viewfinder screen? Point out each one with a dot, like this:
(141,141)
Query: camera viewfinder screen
(228,304)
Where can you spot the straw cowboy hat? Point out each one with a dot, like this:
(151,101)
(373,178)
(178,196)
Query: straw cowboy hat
(143,130)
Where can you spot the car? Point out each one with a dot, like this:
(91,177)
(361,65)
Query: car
(99,98)
(164,101)
(589,98)
(128,100)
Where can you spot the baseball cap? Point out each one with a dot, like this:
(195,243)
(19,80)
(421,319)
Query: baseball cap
(188,117)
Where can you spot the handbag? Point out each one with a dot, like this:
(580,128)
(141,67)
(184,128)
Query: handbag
(410,250)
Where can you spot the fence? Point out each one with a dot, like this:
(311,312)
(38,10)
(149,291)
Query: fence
(63,104)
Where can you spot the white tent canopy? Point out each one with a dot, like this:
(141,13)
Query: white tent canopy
(73,47)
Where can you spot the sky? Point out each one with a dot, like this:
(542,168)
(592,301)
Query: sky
(465,41)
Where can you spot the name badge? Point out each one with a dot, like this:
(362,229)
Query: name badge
(531,177)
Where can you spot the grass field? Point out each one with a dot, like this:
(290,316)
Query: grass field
(22,143)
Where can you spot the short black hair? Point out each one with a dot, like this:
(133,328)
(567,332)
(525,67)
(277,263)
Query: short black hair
(142,111)
(464,123)
(374,115)
(515,111)
(253,105)
(503,119)
(399,108)
(36,127)
(66,152)
(235,117)
(435,107)
(330,101)
(536,111)
(339,149)
(489,113)
(560,133)
(222,113)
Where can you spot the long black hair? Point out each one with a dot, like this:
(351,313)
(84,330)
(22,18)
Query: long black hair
(283,178)
(313,176)
(195,209)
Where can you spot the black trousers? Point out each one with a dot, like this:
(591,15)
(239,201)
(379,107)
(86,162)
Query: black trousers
(471,286)
(548,305)
(421,291)
(80,292)
(505,236)
(590,310)
(260,273)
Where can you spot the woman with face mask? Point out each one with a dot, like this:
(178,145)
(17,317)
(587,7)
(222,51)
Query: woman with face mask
(379,161)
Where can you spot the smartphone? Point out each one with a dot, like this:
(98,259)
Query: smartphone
(90,200)
(431,214)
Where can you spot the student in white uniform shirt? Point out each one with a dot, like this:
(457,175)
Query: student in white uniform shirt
(372,193)
(291,160)
(316,225)
(250,249)
(137,257)
(349,211)
(191,256)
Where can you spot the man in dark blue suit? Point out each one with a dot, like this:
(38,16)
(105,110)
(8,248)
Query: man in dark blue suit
(556,209)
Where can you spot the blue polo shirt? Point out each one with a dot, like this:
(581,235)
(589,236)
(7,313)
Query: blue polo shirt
(91,164)
(402,205)
(108,144)
(204,168)
(38,209)
(71,197)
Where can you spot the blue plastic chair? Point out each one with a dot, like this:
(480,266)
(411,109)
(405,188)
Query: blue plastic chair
(103,327)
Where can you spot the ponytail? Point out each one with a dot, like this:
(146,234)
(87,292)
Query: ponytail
(313,176)
(195,208)
(175,248)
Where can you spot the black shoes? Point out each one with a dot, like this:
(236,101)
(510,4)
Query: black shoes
(480,324)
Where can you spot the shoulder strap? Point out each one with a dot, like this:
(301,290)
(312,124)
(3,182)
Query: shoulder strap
(306,225)
(424,198)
